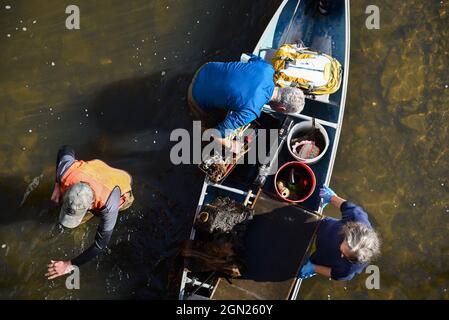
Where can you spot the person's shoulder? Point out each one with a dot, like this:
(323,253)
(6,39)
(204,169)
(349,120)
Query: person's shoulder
(354,212)
(357,268)
(342,270)
(329,224)
(347,270)
(328,220)
(210,66)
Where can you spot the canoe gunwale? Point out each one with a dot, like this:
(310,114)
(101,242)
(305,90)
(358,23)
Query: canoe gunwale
(337,126)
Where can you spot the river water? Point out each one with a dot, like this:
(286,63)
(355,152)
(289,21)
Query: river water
(116,88)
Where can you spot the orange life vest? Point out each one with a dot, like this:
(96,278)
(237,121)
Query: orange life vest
(100,177)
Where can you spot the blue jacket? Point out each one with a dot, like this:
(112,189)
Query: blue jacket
(242,88)
(329,239)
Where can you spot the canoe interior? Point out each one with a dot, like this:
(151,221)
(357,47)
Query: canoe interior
(325,34)
(279,237)
(276,241)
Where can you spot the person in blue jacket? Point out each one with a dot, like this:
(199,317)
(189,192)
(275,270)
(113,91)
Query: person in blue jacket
(238,91)
(344,247)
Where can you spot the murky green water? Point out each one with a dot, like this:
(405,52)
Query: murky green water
(393,155)
(116,88)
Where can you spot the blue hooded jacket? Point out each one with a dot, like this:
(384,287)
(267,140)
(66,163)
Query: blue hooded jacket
(238,87)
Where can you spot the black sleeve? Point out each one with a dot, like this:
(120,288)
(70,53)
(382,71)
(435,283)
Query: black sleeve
(101,241)
(65,158)
(352,212)
(104,232)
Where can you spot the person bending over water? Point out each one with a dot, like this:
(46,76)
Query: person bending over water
(229,95)
(88,188)
(344,247)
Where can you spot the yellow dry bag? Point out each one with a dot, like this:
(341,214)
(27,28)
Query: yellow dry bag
(316,73)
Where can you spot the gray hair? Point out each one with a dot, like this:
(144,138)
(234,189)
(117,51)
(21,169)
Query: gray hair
(362,241)
(292,99)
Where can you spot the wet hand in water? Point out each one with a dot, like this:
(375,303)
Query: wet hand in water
(56,196)
(58,268)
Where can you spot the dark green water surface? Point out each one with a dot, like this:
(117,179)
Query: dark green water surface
(116,88)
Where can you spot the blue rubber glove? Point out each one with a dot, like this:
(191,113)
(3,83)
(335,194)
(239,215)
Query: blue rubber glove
(326,194)
(307,270)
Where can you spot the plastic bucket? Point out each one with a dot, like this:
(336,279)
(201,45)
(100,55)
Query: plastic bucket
(304,181)
(302,128)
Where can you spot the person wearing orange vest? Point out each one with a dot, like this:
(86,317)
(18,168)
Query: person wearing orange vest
(88,188)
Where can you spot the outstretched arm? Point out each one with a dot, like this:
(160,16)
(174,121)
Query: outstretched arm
(65,158)
(349,210)
(233,121)
(337,201)
(102,237)
(309,269)
(329,196)
(104,232)
(324,271)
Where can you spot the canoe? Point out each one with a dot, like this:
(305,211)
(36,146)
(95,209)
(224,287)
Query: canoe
(280,236)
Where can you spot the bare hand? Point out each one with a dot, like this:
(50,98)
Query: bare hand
(58,268)
(235,146)
(56,196)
